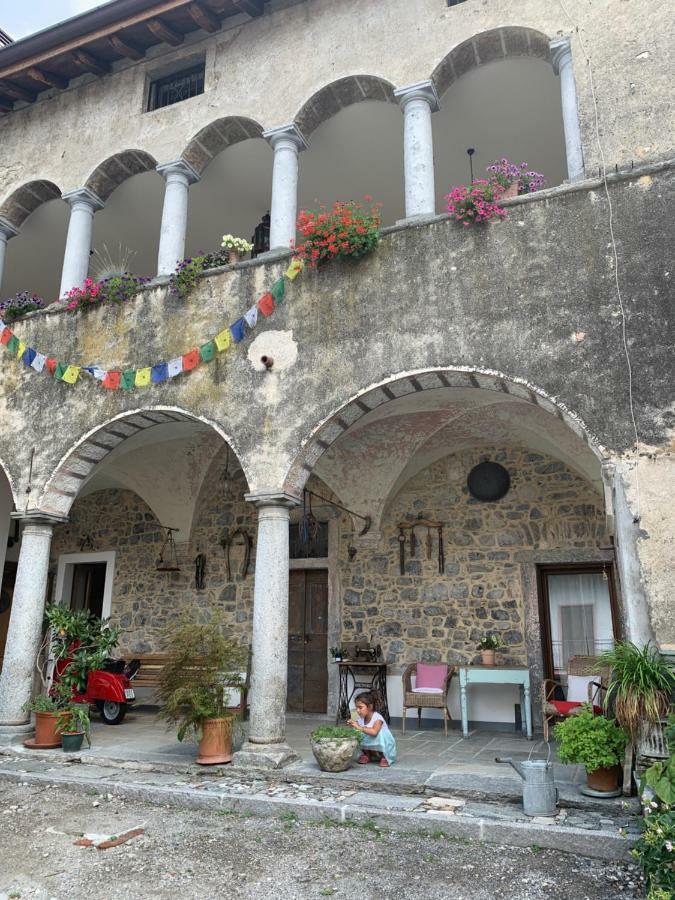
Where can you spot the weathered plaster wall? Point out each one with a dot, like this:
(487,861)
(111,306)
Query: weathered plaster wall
(424,615)
(253,70)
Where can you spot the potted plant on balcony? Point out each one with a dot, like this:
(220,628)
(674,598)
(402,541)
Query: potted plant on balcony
(334,746)
(49,715)
(236,247)
(595,742)
(514,178)
(20,304)
(476,203)
(639,692)
(348,229)
(193,686)
(73,724)
(488,645)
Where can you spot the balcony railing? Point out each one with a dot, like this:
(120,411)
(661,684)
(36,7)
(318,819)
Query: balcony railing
(562,650)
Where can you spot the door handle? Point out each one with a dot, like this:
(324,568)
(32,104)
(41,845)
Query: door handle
(307,639)
(295,637)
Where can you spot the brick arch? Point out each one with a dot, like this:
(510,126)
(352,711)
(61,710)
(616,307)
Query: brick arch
(25,200)
(507,42)
(63,485)
(218,136)
(341,419)
(337,95)
(116,169)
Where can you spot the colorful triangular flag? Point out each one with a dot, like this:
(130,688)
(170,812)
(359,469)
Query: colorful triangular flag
(71,374)
(143,376)
(278,289)
(6,335)
(190,360)
(175,366)
(39,361)
(59,370)
(20,349)
(266,304)
(28,356)
(237,331)
(128,379)
(160,372)
(51,366)
(295,268)
(112,380)
(207,351)
(12,343)
(251,317)
(223,340)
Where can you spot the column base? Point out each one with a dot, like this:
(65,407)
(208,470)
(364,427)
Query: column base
(15,734)
(265,756)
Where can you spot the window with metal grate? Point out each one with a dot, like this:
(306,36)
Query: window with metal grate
(455,2)
(176,87)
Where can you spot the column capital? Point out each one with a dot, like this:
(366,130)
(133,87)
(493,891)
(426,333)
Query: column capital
(38,517)
(83,196)
(561,52)
(289,132)
(7,230)
(178,167)
(273,498)
(421,90)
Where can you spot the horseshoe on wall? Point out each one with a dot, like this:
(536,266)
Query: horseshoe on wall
(226,543)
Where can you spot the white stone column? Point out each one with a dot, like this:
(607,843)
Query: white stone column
(418,102)
(266,745)
(25,624)
(287,142)
(7,231)
(561,57)
(83,204)
(178,176)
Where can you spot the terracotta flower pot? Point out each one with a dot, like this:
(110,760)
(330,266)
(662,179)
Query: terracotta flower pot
(235,256)
(46,734)
(488,657)
(511,191)
(216,743)
(604,780)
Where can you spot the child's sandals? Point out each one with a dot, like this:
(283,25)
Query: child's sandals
(363,760)
(383,763)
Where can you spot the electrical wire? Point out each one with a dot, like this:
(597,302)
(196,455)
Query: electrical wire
(615,256)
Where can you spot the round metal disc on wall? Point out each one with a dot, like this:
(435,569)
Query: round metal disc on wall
(488,481)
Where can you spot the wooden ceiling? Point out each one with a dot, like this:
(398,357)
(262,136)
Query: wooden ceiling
(97,43)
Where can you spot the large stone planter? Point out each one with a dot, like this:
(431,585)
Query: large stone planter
(334,754)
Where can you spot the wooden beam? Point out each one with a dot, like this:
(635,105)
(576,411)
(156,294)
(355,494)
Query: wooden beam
(90,63)
(204,18)
(48,79)
(164,32)
(252,7)
(125,47)
(17,92)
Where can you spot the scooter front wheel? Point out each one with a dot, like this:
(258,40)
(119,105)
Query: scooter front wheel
(111,711)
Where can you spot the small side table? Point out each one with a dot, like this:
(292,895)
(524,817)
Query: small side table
(495,675)
(371,676)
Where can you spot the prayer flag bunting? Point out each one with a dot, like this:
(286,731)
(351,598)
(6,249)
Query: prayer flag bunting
(160,372)
(51,366)
(13,343)
(71,374)
(190,360)
(39,361)
(112,380)
(59,370)
(128,379)
(207,351)
(2,324)
(175,366)
(237,330)
(28,356)
(6,335)
(266,304)
(294,269)
(95,371)
(251,317)
(143,376)
(278,289)
(20,350)
(223,340)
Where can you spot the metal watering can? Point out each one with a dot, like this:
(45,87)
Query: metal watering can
(540,794)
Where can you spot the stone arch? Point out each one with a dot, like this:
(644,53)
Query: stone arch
(337,95)
(218,136)
(397,386)
(5,471)
(80,460)
(507,42)
(117,168)
(25,200)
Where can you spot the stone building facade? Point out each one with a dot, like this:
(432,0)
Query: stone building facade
(541,343)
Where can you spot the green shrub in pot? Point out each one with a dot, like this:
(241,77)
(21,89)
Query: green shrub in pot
(591,741)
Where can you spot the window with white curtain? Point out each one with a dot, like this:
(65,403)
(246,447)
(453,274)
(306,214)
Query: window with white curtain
(580,614)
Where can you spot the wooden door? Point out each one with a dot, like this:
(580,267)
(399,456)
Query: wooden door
(308,641)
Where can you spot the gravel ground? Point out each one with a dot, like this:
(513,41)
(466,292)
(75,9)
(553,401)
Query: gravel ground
(202,855)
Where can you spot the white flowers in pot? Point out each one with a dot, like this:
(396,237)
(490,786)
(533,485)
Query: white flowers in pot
(237,246)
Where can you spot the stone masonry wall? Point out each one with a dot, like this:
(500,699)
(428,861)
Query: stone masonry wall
(423,615)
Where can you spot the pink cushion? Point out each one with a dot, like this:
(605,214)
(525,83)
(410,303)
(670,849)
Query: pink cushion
(430,676)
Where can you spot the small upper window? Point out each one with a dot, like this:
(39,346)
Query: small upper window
(174,88)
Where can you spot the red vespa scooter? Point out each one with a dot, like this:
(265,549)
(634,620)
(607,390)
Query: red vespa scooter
(108,688)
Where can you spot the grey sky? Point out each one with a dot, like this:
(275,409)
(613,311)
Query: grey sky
(20,18)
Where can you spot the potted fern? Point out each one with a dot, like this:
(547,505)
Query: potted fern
(639,692)
(194,686)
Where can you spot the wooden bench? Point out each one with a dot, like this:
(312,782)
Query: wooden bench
(152,665)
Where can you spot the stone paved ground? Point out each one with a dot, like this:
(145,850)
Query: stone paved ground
(213,854)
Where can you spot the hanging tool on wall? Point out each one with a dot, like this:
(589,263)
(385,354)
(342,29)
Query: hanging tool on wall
(430,527)
(309,527)
(367,519)
(226,543)
(200,571)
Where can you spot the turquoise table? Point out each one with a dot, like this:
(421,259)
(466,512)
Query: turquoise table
(495,675)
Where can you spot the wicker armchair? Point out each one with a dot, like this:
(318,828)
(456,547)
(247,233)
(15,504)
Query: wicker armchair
(418,700)
(576,665)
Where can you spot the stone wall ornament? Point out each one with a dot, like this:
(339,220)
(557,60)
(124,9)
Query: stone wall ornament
(488,481)
(414,541)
